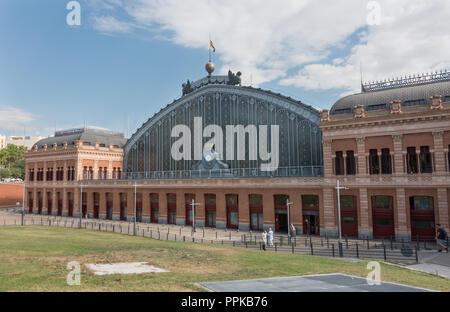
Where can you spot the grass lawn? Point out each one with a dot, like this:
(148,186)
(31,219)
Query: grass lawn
(35,259)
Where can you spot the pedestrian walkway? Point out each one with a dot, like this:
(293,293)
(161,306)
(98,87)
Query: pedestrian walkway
(433,262)
(310,283)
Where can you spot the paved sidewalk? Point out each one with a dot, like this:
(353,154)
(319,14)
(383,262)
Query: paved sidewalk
(433,262)
(311,283)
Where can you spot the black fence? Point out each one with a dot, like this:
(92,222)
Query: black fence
(314,246)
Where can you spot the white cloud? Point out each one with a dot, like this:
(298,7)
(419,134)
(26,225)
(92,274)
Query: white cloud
(109,24)
(268,38)
(14,119)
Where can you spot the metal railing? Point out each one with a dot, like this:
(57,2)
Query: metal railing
(315,246)
(303,171)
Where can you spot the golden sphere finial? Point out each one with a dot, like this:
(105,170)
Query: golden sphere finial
(210,68)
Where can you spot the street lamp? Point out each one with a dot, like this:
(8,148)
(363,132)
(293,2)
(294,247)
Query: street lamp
(81,202)
(134,225)
(193,204)
(338,189)
(288,206)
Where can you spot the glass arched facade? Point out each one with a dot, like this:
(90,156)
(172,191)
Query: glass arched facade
(148,152)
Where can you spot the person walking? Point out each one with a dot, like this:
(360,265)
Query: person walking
(441,239)
(264,240)
(293,231)
(270,237)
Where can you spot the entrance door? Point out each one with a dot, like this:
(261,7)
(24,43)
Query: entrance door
(422,218)
(70,203)
(188,206)
(30,202)
(383,217)
(109,206)
(96,205)
(256,213)
(139,207)
(311,212)
(154,208)
(49,203)
(232,211)
(123,207)
(281,220)
(171,208)
(60,204)
(39,203)
(311,224)
(210,210)
(349,216)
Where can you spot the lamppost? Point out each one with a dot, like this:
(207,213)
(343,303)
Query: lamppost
(23,203)
(134,224)
(81,202)
(193,204)
(288,206)
(338,189)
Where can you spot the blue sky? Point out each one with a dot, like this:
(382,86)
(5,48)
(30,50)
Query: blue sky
(127,60)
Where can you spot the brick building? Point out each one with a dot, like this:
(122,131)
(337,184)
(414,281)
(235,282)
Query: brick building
(389,145)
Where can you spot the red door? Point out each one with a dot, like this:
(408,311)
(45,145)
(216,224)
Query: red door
(210,210)
(96,205)
(154,208)
(232,212)
(49,203)
(171,208)
(39,203)
(256,213)
(422,218)
(70,204)
(30,202)
(188,206)
(383,217)
(349,216)
(60,205)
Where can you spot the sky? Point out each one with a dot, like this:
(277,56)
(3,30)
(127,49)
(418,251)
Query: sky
(127,59)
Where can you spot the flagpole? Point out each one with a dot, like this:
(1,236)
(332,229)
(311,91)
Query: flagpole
(209,47)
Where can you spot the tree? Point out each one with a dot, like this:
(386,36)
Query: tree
(13,158)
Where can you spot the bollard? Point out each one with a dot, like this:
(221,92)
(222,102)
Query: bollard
(184,238)
(346,242)
(328,242)
(368,245)
(332,245)
(312,250)
(384,251)
(100,227)
(246,246)
(417,256)
(293,249)
(357,251)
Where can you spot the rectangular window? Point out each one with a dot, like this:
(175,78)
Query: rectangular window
(382,202)
(351,163)
(425,160)
(342,111)
(412,103)
(374,163)
(386,165)
(411,160)
(339,163)
(376,107)
(421,203)
(310,201)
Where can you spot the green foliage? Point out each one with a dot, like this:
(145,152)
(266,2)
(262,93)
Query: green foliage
(12,158)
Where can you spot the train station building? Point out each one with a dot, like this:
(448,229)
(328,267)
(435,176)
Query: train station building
(253,152)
